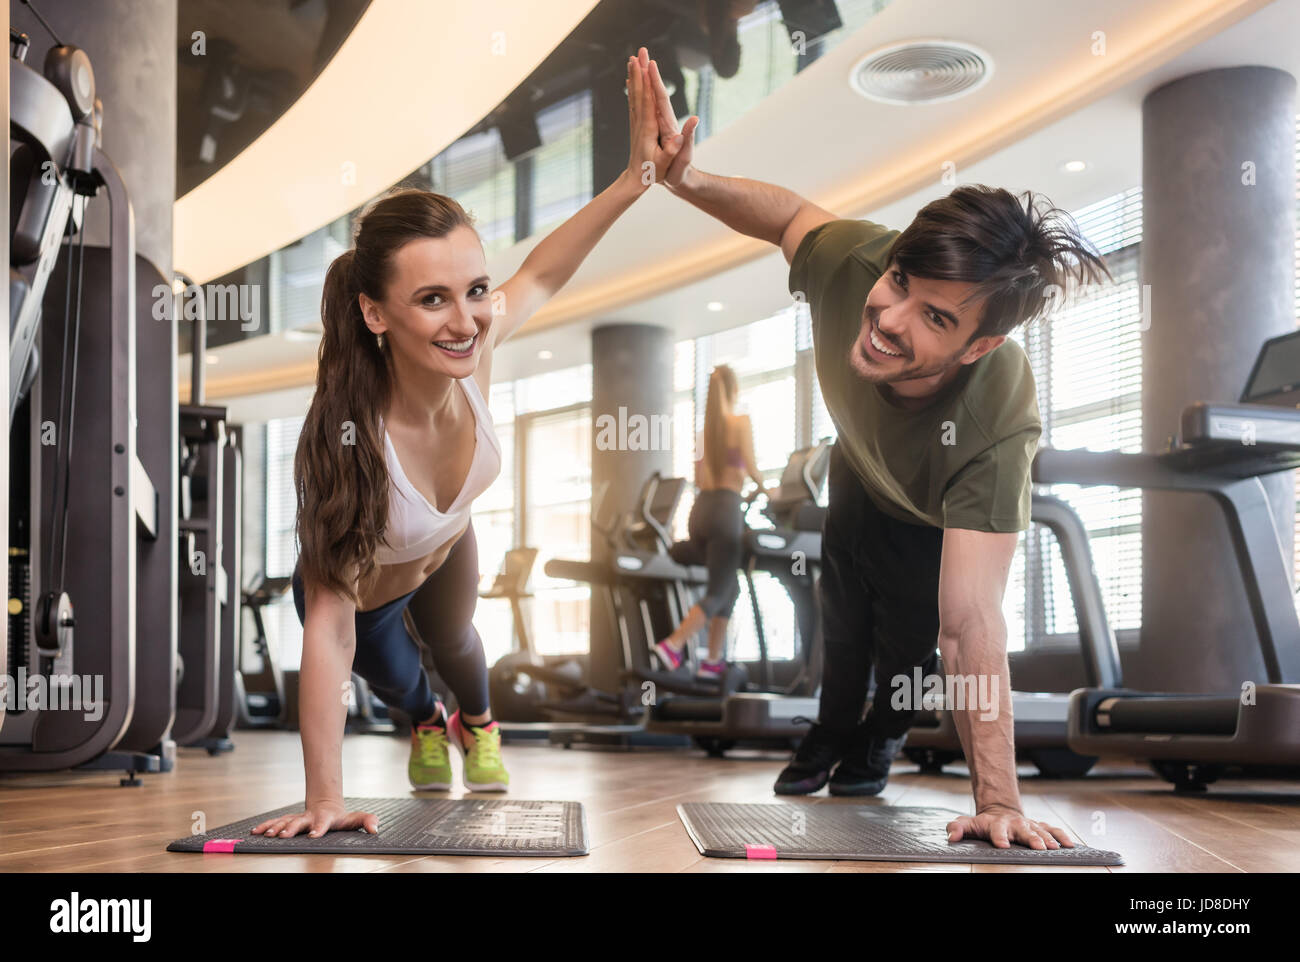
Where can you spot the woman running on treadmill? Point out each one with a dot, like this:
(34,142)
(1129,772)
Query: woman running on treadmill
(716,526)
(396,445)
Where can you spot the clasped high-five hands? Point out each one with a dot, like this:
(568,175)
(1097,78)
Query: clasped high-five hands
(656,138)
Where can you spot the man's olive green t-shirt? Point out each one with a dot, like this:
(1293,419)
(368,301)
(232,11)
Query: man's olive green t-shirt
(960,462)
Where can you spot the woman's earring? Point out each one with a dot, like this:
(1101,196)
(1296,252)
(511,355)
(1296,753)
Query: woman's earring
(379,339)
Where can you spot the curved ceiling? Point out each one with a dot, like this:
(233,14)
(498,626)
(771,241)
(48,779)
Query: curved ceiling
(412,76)
(1046,69)
(1051,99)
(1058,92)
(240,65)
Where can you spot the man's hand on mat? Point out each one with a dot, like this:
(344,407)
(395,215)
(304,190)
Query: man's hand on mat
(648,149)
(681,142)
(1002,825)
(318,819)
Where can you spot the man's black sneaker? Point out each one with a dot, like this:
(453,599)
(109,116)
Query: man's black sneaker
(864,769)
(811,765)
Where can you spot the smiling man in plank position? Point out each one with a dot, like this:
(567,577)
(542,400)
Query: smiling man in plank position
(937,420)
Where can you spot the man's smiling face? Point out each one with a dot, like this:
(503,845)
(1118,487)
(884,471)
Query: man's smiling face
(916,329)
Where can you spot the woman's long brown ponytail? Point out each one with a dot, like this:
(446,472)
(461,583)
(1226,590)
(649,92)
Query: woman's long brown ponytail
(339,470)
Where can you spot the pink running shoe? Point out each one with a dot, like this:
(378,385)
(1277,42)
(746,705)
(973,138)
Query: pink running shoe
(669,656)
(711,670)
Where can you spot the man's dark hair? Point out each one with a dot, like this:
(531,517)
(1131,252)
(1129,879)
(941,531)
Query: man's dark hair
(1019,252)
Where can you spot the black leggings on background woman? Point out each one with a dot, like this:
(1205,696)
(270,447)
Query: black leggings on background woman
(716,530)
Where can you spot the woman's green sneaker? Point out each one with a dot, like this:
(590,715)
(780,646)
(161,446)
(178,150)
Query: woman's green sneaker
(484,770)
(430,764)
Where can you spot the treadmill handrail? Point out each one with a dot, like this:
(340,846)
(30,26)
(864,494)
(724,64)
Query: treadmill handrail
(815,454)
(1096,638)
(1248,513)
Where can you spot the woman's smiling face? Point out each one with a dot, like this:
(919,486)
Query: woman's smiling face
(438,306)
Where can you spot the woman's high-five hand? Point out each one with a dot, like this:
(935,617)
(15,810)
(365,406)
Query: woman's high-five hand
(556,257)
(680,142)
(651,156)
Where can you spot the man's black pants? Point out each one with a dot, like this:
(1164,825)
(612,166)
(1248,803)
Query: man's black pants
(880,605)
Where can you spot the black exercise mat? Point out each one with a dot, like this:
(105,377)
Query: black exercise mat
(876,833)
(417,826)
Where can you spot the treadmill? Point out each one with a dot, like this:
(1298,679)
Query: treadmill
(1041,718)
(1191,739)
(718,715)
(645,594)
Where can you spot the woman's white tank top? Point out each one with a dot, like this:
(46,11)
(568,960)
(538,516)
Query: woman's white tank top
(415,527)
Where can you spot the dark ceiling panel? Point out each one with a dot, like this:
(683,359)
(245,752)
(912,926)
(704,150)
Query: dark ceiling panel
(254,58)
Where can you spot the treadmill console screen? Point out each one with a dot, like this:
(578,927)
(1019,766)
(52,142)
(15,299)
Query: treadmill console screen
(1275,378)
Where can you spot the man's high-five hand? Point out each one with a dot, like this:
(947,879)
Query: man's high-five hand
(650,156)
(680,142)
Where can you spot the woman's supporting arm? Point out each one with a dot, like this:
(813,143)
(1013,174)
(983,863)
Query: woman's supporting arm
(328,645)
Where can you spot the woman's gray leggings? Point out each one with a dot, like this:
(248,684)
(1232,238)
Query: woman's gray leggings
(716,528)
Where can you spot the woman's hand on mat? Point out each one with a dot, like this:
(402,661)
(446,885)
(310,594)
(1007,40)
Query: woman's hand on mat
(1002,825)
(319,818)
(648,149)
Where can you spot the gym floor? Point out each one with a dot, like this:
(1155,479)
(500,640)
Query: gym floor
(85,822)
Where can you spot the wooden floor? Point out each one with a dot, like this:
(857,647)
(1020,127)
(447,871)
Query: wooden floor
(85,822)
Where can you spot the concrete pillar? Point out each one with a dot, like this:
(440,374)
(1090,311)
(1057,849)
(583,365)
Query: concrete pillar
(632,369)
(1218,178)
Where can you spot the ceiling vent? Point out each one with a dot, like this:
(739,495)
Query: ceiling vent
(921,72)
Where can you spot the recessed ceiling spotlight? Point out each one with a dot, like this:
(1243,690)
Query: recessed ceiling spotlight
(921,72)
(1073,166)
(544,355)
(211,358)
(714,305)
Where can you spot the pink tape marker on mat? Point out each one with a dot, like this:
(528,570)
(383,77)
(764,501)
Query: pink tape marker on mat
(220,845)
(760,851)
